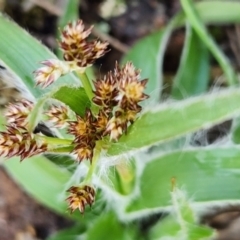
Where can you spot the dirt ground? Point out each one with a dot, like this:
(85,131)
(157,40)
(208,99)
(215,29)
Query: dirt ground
(21,217)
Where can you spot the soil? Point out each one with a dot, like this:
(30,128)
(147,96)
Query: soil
(21,217)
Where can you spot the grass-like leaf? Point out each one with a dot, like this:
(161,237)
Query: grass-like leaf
(176,119)
(75,98)
(207,175)
(153,46)
(21,53)
(72,233)
(182,222)
(70,13)
(193,74)
(108,227)
(220,15)
(197,24)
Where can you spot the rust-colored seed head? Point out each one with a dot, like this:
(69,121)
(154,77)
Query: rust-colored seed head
(18,142)
(101,123)
(83,128)
(115,127)
(118,95)
(76,49)
(58,116)
(80,197)
(131,89)
(106,91)
(130,72)
(52,70)
(84,150)
(17,113)
(74,33)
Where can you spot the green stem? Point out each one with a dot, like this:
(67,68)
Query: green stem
(200,29)
(86,84)
(89,90)
(93,165)
(33,117)
(66,149)
(177,210)
(54,141)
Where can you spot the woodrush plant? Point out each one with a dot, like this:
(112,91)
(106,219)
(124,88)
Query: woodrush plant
(114,106)
(156,165)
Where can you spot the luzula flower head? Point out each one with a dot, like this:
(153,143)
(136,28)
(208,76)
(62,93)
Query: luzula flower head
(119,94)
(17,113)
(106,91)
(113,104)
(52,70)
(78,53)
(82,128)
(84,150)
(58,116)
(122,87)
(16,141)
(77,50)
(131,89)
(80,197)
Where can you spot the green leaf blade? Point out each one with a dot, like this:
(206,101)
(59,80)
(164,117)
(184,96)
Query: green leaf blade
(207,175)
(75,98)
(193,74)
(198,25)
(22,54)
(107,226)
(177,119)
(220,15)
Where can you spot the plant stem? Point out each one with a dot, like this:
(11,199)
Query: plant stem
(88,88)
(54,141)
(200,29)
(93,165)
(66,149)
(33,117)
(86,84)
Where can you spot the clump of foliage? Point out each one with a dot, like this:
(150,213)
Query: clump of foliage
(114,104)
(112,142)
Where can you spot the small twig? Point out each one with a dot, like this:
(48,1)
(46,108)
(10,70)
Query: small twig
(105,37)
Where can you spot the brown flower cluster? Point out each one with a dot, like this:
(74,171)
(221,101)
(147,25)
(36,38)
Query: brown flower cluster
(85,136)
(118,95)
(16,140)
(76,48)
(78,53)
(116,105)
(17,113)
(80,197)
(58,116)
